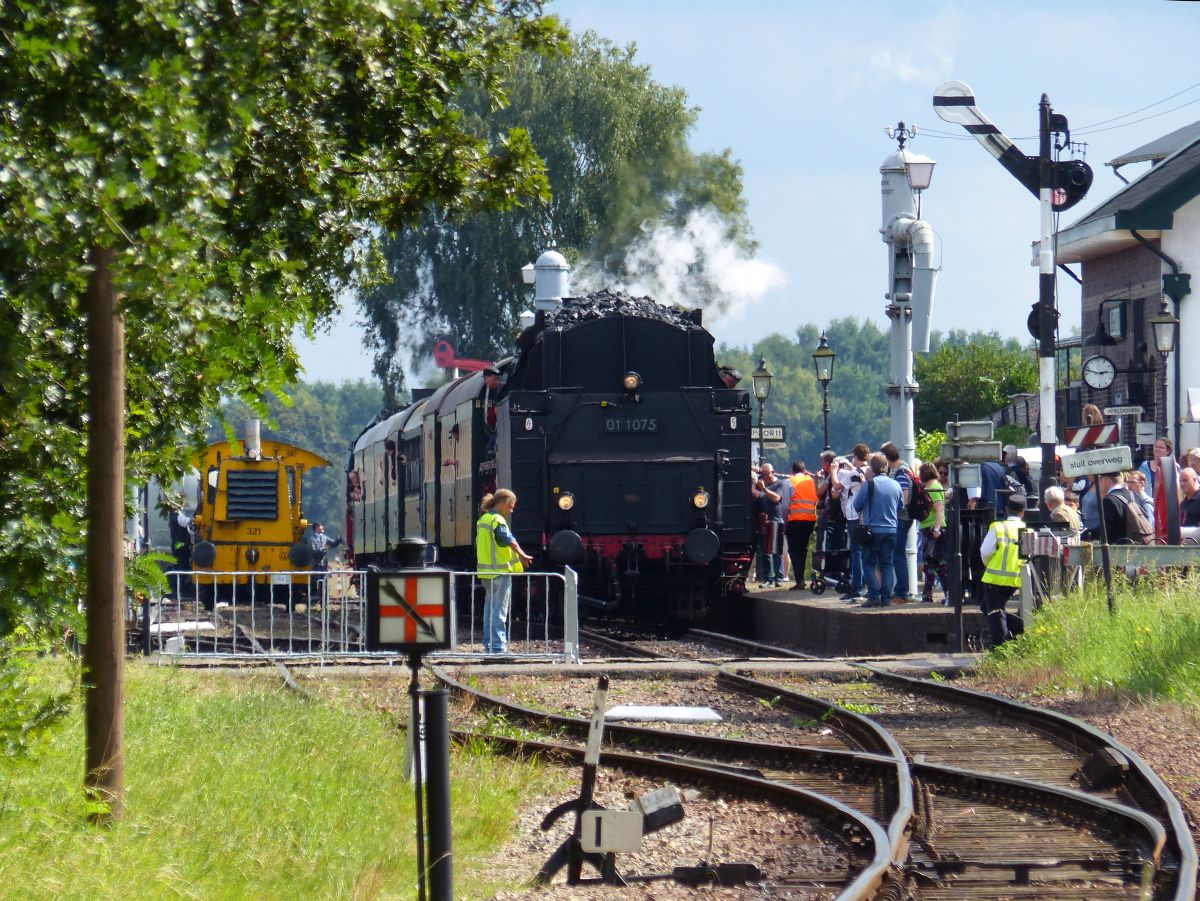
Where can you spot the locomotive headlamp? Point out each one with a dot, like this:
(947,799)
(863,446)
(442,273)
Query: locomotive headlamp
(566,501)
(632,382)
(252,555)
(700,499)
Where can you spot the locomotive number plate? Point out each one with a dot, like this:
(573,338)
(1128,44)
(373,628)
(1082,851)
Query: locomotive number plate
(630,425)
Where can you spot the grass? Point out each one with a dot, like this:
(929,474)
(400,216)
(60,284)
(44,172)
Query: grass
(1150,648)
(237,789)
(856,707)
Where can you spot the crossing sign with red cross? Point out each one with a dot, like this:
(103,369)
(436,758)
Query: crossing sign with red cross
(408,610)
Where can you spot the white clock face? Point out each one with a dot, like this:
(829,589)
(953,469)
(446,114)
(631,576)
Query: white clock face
(1099,372)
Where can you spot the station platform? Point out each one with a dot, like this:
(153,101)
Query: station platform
(822,624)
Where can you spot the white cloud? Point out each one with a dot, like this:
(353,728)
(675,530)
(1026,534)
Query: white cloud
(917,52)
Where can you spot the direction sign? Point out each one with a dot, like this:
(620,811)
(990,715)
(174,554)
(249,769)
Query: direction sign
(769,433)
(982,430)
(1147,432)
(408,610)
(971,452)
(1127,410)
(1092,435)
(1094,462)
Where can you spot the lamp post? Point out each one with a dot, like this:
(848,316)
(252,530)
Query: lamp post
(1164,326)
(912,281)
(823,358)
(760,381)
(912,276)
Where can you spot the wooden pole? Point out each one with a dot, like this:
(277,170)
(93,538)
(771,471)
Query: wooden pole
(104,652)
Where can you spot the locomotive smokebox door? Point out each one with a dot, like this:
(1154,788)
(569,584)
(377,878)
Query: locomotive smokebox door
(408,611)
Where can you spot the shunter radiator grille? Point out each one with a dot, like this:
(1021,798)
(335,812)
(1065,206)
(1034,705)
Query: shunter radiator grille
(253,494)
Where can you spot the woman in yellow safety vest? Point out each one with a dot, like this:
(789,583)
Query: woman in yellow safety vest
(1002,569)
(497,557)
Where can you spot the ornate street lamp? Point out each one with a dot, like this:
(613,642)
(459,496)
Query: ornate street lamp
(760,381)
(1165,327)
(823,358)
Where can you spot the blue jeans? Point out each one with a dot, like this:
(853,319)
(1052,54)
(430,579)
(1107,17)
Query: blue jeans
(880,552)
(496,602)
(900,557)
(775,567)
(770,556)
(856,562)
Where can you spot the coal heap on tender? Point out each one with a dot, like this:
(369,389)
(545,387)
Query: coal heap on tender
(602,304)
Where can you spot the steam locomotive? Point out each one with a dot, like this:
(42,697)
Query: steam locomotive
(626,448)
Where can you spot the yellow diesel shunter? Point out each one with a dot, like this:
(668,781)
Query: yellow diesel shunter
(249,528)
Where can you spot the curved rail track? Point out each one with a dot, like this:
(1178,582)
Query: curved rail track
(978,796)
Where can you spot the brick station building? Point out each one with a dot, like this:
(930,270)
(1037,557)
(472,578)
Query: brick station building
(1135,250)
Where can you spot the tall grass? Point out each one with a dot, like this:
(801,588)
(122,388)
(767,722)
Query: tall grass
(236,789)
(1149,648)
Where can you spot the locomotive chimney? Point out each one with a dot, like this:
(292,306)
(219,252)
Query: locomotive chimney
(551,282)
(253,447)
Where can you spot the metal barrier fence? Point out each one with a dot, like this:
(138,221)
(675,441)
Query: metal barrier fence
(323,615)
(533,629)
(228,614)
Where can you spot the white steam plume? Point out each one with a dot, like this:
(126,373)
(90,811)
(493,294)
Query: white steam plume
(686,266)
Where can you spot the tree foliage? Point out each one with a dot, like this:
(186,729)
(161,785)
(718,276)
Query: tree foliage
(615,146)
(319,417)
(858,408)
(858,405)
(971,376)
(239,161)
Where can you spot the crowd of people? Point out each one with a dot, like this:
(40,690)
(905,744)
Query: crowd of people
(861,508)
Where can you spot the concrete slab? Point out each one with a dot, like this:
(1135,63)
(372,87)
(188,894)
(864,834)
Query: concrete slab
(641,713)
(823,624)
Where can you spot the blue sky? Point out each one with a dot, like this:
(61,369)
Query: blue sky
(801,92)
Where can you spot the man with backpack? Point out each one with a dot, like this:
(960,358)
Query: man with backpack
(1124,520)
(910,488)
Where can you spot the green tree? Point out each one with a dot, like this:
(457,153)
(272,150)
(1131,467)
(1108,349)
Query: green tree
(221,170)
(858,408)
(971,376)
(615,146)
(949,378)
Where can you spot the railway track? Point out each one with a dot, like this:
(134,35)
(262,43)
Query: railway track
(692,644)
(978,797)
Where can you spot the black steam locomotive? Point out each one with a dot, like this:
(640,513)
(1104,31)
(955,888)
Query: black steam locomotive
(628,453)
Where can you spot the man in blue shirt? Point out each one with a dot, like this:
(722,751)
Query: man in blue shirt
(903,474)
(878,506)
(991,479)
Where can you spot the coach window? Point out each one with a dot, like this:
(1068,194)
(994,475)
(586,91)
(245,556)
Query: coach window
(213,474)
(291,477)
(389,448)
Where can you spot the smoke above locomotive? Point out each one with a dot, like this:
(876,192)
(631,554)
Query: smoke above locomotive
(612,423)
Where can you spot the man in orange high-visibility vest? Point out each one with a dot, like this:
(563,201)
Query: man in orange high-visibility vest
(802,519)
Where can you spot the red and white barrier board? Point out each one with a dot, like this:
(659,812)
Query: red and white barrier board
(1093,435)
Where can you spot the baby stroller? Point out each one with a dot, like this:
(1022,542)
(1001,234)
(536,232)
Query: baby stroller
(831,558)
